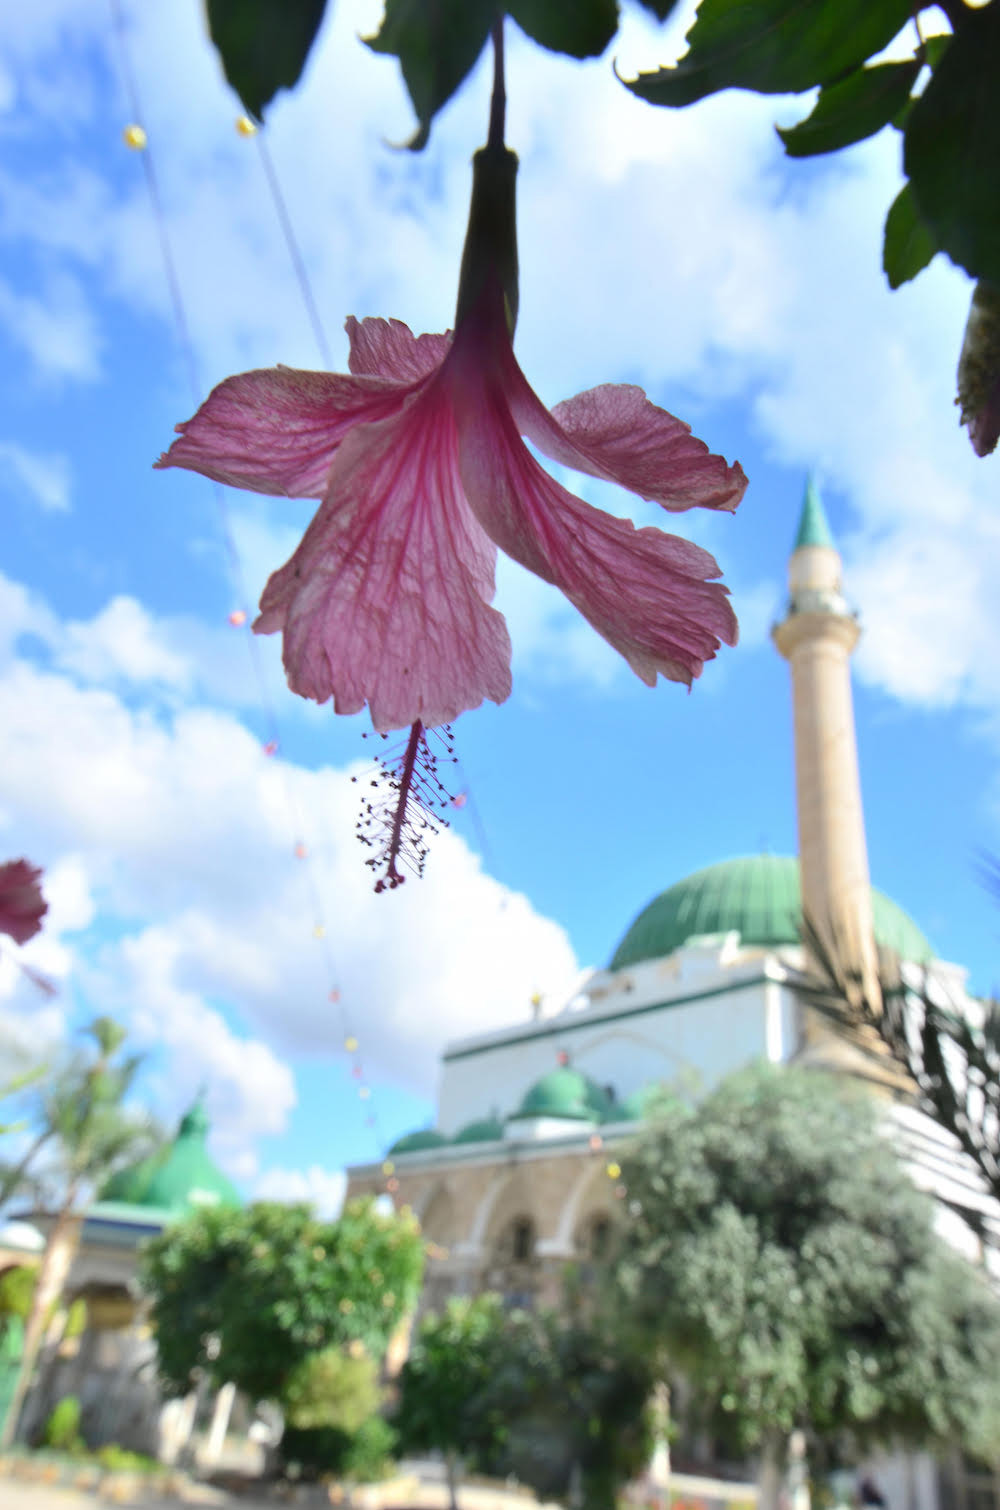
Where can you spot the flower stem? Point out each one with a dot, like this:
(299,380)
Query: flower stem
(498,102)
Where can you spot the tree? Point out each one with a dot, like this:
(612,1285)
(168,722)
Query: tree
(788,1269)
(444,1385)
(331,1401)
(581,1425)
(87,1133)
(557,1399)
(245,1296)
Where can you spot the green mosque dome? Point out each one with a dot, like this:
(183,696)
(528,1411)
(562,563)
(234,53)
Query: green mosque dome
(637,1104)
(179,1178)
(488,1130)
(415,1142)
(758,896)
(568,1094)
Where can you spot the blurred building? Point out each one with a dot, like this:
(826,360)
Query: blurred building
(99,1345)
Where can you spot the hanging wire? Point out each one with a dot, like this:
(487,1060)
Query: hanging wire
(295,255)
(136,137)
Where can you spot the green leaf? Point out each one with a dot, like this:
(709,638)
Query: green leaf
(583,29)
(909,244)
(934,48)
(852,109)
(773,46)
(437,43)
(951,148)
(263,44)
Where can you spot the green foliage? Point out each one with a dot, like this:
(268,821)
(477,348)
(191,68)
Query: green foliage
(583,29)
(332,1388)
(369,1456)
(781,1257)
(773,46)
(538,1396)
(364,1455)
(584,1411)
(17,1289)
(437,43)
(117,1459)
(852,109)
(62,1429)
(443,1384)
(273,1284)
(952,147)
(81,1108)
(908,245)
(76,1319)
(263,44)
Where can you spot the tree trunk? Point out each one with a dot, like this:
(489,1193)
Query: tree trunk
(452,1466)
(48,1287)
(771,1471)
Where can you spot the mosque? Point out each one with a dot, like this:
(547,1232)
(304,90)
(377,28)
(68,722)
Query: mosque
(519,1176)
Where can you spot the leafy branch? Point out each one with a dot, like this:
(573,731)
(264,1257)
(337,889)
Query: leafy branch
(950,1062)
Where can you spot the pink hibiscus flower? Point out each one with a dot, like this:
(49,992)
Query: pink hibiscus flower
(419,460)
(22,905)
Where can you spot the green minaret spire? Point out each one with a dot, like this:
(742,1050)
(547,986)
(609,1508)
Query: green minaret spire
(813,526)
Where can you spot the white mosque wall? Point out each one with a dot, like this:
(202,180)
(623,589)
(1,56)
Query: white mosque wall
(685,1021)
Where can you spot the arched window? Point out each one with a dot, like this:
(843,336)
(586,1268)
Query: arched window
(523,1240)
(517,1242)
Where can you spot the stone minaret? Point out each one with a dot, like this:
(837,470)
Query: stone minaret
(816,637)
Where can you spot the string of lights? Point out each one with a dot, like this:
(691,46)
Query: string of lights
(136,137)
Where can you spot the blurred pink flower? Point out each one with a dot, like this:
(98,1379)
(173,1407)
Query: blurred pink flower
(22,905)
(419,461)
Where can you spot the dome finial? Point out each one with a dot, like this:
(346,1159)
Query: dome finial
(813,526)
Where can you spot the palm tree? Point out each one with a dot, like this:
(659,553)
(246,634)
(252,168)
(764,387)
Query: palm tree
(88,1133)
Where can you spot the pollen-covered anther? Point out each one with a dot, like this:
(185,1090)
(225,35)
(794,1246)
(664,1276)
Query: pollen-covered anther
(405,804)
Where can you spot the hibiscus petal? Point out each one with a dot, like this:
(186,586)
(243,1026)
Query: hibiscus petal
(646,592)
(614,432)
(22,905)
(389,349)
(386,599)
(277,430)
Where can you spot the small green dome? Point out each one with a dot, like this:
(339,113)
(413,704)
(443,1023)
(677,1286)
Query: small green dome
(759,897)
(637,1104)
(414,1142)
(488,1130)
(179,1178)
(568,1094)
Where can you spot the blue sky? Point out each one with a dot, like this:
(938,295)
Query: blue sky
(679,251)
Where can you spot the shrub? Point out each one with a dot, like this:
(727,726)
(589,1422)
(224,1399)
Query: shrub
(327,1451)
(17,1286)
(332,1388)
(120,1460)
(62,1429)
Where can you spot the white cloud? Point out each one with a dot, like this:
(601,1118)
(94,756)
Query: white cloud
(121,643)
(322,1188)
(171,835)
(46,478)
(58,331)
